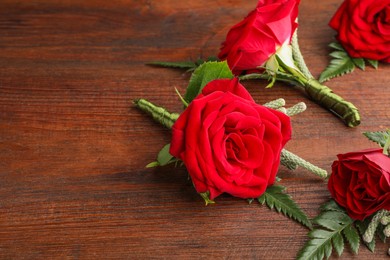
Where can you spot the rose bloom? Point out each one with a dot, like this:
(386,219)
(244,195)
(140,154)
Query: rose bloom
(363,28)
(360,182)
(228,143)
(251,42)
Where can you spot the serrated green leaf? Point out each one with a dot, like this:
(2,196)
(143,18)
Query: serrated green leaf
(340,64)
(362,227)
(380,233)
(332,220)
(275,197)
(339,55)
(352,237)
(338,243)
(205,73)
(320,233)
(373,63)
(164,157)
(378,137)
(359,62)
(331,205)
(336,46)
(328,250)
(314,248)
(178,65)
(332,223)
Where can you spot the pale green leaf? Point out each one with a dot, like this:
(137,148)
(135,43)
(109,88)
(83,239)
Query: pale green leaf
(152,165)
(379,232)
(352,237)
(328,249)
(205,73)
(362,227)
(378,137)
(360,63)
(339,55)
(164,157)
(206,197)
(373,63)
(338,243)
(178,65)
(336,46)
(274,197)
(340,64)
(332,220)
(331,205)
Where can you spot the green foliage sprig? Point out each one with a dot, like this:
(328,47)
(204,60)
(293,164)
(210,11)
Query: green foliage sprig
(341,63)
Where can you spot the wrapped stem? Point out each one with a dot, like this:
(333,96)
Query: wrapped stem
(324,96)
(159,114)
(321,94)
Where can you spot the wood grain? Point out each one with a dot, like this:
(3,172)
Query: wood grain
(73,148)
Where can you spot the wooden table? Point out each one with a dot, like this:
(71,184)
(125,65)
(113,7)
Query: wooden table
(73,148)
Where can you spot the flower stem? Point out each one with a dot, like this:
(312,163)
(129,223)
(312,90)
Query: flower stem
(292,158)
(159,114)
(324,96)
(321,94)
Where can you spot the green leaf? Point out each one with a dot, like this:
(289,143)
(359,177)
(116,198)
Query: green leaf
(362,227)
(378,137)
(204,74)
(178,65)
(206,197)
(340,64)
(379,232)
(185,104)
(152,165)
(352,237)
(336,46)
(338,243)
(275,197)
(332,221)
(331,205)
(373,63)
(164,157)
(359,62)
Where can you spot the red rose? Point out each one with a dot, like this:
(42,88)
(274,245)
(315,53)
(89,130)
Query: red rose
(251,42)
(228,142)
(363,28)
(360,182)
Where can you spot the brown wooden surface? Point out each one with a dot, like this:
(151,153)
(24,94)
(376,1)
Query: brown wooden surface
(73,148)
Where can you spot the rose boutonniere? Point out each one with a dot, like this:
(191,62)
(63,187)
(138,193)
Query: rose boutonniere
(266,41)
(360,189)
(265,46)
(228,143)
(363,35)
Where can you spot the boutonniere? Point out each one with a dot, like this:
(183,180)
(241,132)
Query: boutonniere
(363,35)
(359,209)
(228,143)
(265,46)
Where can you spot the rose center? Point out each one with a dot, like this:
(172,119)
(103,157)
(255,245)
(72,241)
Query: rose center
(243,149)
